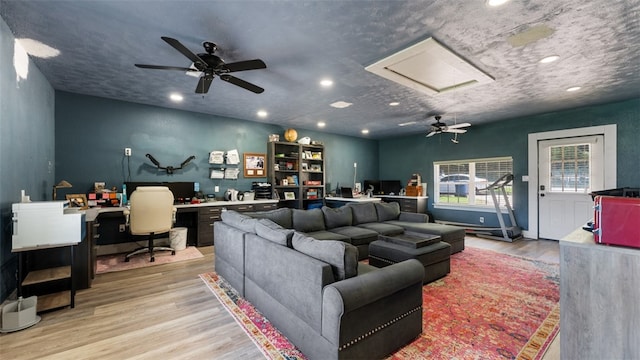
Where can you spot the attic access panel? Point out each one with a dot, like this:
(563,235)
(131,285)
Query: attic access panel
(429,67)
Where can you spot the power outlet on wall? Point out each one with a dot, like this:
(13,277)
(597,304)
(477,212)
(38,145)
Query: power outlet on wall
(127,151)
(122,228)
(481,219)
(216,188)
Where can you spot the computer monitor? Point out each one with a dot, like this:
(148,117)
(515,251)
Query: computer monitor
(180,189)
(388,187)
(372,183)
(346,192)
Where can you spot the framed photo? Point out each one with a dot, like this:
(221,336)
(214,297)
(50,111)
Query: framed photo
(78,200)
(289,195)
(315,168)
(254,165)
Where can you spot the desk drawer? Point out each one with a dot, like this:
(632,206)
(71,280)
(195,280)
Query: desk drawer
(408,205)
(240,208)
(209,214)
(265,207)
(206,218)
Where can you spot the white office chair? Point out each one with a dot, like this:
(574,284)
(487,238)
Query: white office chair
(152,213)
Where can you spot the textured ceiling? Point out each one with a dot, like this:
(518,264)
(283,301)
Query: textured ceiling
(304,41)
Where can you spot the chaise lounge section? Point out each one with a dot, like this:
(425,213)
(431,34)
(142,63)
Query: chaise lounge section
(316,292)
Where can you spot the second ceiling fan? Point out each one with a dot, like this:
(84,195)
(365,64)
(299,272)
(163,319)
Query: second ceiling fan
(439,127)
(211,65)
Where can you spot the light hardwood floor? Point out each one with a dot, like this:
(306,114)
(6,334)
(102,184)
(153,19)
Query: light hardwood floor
(167,312)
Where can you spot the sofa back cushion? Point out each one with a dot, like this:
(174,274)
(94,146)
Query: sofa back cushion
(388,211)
(363,213)
(280,216)
(274,232)
(337,217)
(308,220)
(342,257)
(240,221)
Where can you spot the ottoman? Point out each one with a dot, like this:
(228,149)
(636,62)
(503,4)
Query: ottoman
(428,249)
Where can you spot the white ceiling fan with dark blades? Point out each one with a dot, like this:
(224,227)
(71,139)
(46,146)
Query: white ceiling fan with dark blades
(210,66)
(439,127)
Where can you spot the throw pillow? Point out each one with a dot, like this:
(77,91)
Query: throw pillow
(363,213)
(342,257)
(388,211)
(240,221)
(274,232)
(308,220)
(337,217)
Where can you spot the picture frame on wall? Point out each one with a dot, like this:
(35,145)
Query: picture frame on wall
(254,165)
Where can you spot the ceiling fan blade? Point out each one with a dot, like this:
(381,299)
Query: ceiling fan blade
(456,131)
(245,65)
(432,133)
(461,125)
(204,84)
(161,67)
(243,84)
(184,51)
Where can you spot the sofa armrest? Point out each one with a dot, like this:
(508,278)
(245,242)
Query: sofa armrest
(380,288)
(414,217)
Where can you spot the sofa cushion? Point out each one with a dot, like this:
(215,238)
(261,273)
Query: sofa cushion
(342,257)
(240,221)
(337,217)
(383,228)
(363,213)
(328,235)
(387,211)
(358,235)
(308,220)
(274,232)
(280,216)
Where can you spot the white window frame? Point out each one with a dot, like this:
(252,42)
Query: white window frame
(472,175)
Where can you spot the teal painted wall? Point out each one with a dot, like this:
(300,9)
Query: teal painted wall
(402,156)
(26,145)
(91,134)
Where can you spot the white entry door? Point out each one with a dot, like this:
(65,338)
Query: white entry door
(569,169)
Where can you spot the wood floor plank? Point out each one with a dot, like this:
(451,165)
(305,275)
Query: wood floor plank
(167,312)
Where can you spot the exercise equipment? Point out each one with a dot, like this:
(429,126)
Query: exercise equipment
(504,232)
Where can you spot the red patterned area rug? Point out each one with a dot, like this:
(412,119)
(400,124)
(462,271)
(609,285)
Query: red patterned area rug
(491,306)
(111,263)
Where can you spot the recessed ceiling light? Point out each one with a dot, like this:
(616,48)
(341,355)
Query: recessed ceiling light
(549,59)
(321,124)
(326,82)
(574,88)
(176,97)
(365,131)
(496,2)
(262,113)
(395,103)
(341,104)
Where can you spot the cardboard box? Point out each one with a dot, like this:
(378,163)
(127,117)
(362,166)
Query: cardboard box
(414,190)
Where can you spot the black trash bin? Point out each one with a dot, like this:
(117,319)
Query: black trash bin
(462,190)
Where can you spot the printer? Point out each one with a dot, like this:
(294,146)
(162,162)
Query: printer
(45,224)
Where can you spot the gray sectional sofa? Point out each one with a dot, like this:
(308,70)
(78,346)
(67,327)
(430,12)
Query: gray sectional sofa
(316,292)
(360,223)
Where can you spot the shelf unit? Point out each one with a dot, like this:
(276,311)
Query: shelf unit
(297,173)
(54,285)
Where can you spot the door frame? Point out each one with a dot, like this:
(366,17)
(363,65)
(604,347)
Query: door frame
(610,163)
